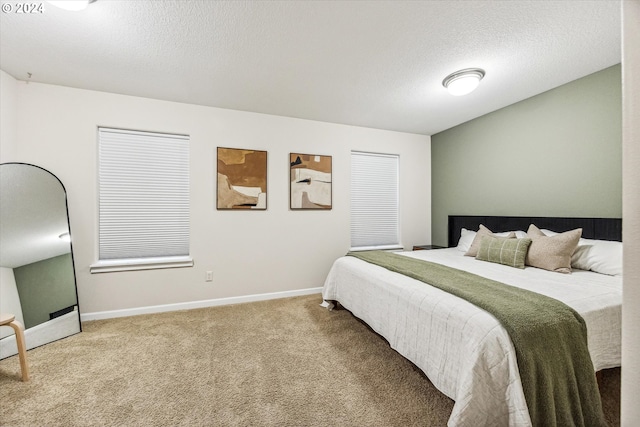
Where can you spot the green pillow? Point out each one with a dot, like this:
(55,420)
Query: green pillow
(511,252)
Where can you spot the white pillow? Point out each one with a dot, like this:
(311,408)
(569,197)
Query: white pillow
(466,238)
(601,256)
(520,234)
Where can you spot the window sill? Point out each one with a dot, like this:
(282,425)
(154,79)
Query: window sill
(378,248)
(108,266)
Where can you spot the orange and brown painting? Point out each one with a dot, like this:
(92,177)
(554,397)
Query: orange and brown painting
(310,181)
(242,179)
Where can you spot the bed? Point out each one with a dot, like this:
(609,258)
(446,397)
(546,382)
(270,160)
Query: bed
(463,350)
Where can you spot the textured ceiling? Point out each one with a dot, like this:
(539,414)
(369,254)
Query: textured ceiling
(367,63)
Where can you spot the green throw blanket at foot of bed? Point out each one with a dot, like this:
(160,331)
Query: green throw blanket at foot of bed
(549,337)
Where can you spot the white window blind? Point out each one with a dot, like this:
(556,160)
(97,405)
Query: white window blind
(374,201)
(143,196)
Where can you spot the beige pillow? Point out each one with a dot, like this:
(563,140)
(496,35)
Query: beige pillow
(483,231)
(552,253)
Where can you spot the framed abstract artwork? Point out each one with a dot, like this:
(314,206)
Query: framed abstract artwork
(242,179)
(310,181)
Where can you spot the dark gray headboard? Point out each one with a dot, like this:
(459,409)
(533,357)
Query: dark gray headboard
(592,228)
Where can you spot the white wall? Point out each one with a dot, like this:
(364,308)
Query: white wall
(8,105)
(631,213)
(9,300)
(249,252)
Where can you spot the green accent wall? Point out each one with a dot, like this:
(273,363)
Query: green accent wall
(45,287)
(558,153)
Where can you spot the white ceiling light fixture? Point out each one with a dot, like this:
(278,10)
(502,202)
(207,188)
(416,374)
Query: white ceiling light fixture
(464,81)
(73,5)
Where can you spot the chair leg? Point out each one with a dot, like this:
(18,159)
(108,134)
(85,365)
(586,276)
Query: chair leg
(22,348)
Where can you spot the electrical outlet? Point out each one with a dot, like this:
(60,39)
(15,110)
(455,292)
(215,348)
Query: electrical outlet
(209,277)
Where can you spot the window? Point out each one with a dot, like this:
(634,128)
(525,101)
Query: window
(374,201)
(144,200)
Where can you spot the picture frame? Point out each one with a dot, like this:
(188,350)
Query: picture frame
(241,179)
(310,182)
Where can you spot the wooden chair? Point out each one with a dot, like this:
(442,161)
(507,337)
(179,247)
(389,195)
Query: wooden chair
(10,320)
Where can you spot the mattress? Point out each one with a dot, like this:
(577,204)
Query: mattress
(464,350)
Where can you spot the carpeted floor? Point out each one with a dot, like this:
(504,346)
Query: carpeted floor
(285,362)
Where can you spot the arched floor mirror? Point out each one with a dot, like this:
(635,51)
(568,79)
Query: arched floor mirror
(37,283)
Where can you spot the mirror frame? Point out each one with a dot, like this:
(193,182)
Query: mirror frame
(9,344)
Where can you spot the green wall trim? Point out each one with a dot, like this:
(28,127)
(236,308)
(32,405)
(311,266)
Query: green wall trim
(558,153)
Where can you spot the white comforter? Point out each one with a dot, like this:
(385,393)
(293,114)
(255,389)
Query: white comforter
(463,350)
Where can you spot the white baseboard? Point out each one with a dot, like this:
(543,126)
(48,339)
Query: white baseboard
(99,315)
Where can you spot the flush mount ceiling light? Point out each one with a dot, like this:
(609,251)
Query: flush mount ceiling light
(74,5)
(464,81)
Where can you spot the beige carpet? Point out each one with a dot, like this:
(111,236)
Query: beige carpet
(283,362)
